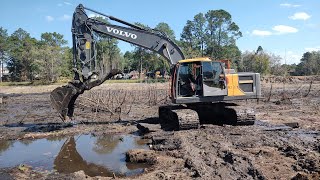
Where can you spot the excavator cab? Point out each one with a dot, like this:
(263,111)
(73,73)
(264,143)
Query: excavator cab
(203,80)
(198,78)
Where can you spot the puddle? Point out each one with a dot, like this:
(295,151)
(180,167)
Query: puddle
(101,155)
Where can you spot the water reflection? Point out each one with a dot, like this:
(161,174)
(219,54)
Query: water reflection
(105,144)
(101,156)
(4,145)
(26,141)
(56,138)
(69,161)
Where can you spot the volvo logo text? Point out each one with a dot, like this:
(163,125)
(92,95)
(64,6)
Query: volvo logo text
(121,33)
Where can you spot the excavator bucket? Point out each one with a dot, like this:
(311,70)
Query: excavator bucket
(63,99)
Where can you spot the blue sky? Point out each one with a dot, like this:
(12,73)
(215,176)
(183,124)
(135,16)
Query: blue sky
(285,28)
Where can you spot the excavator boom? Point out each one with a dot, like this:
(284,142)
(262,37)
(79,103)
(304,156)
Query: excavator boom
(87,72)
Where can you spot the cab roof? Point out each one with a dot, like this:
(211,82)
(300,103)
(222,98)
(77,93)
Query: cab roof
(195,60)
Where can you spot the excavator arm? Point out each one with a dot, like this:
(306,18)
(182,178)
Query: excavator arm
(87,72)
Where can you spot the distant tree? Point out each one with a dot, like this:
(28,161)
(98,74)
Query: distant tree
(259,50)
(290,68)
(275,65)
(108,52)
(66,67)
(3,49)
(221,32)
(3,40)
(53,39)
(199,31)
(20,63)
(213,34)
(160,63)
(51,56)
(188,41)
(145,60)
(140,55)
(309,64)
(261,62)
(128,62)
(165,28)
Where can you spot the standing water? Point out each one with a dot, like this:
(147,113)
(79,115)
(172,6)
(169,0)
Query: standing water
(96,156)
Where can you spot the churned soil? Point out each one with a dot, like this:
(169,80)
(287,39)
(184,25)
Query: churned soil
(284,143)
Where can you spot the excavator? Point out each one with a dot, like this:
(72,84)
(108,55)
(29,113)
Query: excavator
(203,91)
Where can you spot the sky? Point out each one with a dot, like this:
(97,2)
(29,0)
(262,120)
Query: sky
(287,28)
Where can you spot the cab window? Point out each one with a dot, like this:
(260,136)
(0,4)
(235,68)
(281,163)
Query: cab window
(211,73)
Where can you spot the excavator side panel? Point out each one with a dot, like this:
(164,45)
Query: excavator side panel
(233,85)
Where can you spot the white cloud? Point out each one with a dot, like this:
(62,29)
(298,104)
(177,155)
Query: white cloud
(290,5)
(312,25)
(65,17)
(317,48)
(49,18)
(282,29)
(300,16)
(67,3)
(261,33)
(277,30)
(290,57)
(293,57)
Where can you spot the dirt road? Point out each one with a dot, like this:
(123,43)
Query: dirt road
(268,150)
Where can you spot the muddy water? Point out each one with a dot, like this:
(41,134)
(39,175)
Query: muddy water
(102,155)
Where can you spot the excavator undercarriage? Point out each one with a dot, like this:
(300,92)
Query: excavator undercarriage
(180,117)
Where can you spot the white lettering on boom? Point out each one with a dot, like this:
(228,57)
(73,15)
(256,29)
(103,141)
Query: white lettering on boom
(121,33)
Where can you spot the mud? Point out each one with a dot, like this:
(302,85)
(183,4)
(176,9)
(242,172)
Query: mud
(283,143)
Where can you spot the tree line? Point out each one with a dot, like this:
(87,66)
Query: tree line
(213,34)
(28,59)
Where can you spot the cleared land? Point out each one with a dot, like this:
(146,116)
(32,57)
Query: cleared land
(267,150)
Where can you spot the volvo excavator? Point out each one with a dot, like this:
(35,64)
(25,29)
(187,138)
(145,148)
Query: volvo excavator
(202,90)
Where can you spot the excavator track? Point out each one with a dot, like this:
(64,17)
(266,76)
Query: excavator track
(245,116)
(178,117)
(188,119)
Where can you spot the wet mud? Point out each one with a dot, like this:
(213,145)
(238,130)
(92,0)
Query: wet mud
(282,144)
